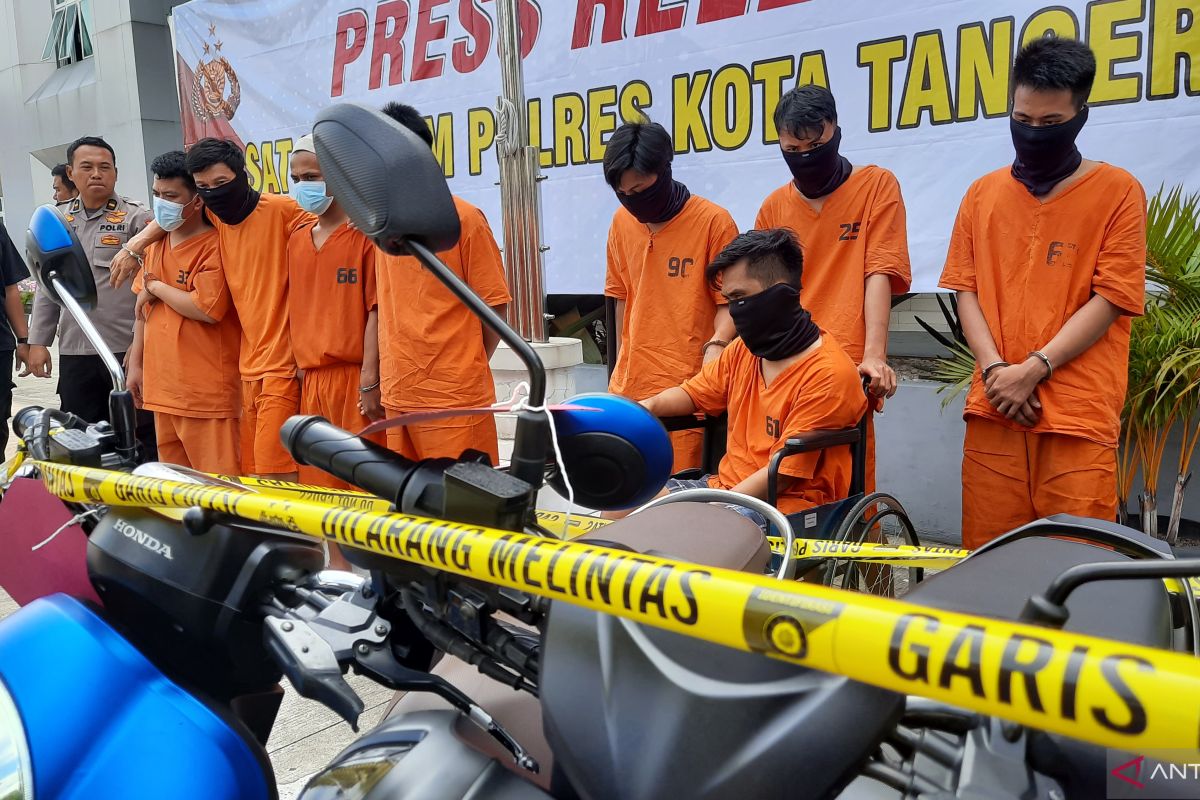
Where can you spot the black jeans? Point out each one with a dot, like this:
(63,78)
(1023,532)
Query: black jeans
(83,387)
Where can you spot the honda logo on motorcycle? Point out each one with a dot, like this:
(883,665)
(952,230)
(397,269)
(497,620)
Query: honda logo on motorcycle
(144,539)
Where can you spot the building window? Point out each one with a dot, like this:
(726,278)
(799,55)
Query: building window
(70,38)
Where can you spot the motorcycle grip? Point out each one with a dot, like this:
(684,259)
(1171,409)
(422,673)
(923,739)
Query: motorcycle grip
(316,442)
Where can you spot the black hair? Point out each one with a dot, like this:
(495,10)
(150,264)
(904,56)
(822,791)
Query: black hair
(772,256)
(1051,63)
(410,118)
(89,141)
(642,146)
(60,172)
(173,164)
(802,112)
(209,152)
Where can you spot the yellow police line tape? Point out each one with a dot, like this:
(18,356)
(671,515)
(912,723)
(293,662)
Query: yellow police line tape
(1113,694)
(556,523)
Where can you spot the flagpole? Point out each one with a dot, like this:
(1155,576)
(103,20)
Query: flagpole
(520,195)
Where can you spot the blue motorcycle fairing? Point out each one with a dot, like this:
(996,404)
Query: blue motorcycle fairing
(104,723)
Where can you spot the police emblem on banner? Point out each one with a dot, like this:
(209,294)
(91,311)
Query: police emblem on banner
(216,91)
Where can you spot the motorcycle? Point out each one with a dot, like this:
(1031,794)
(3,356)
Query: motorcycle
(539,697)
(615,709)
(169,657)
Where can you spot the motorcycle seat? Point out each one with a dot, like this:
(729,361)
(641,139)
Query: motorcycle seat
(697,532)
(997,582)
(700,533)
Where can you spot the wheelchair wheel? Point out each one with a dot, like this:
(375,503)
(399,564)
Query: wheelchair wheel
(876,518)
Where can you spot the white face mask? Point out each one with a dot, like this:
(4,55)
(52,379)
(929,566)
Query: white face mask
(169,215)
(310,195)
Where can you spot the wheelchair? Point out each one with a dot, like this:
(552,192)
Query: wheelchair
(840,526)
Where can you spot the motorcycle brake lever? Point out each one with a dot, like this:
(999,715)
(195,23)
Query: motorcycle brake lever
(378,663)
(311,667)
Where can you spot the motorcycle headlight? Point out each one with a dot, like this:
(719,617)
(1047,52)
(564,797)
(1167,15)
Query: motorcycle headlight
(354,776)
(16,771)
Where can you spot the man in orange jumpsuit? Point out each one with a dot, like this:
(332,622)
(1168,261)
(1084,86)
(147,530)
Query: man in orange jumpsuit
(433,351)
(333,310)
(851,223)
(253,230)
(671,321)
(183,362)
(1048,260)
(782,377)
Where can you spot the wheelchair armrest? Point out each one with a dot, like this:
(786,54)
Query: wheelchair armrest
(689,422)
(808,442)
(693,474)
(819,440)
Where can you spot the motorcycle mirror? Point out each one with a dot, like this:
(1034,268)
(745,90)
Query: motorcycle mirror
(393,190)
(57,259)
(386,178)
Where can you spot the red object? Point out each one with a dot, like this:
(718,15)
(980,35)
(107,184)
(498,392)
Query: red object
(28,515)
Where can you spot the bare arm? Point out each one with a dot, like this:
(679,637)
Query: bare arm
(723,330)
(1083,329)
(673,402)
(620,325)
(975,328)
(756,484)
(124,265)
(15,311)
(183,302)
(877,311)
(134,377)
(491,339)
(370,401)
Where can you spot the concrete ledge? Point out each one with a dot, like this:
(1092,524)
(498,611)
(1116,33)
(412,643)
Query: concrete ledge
(562,357)
(558,353)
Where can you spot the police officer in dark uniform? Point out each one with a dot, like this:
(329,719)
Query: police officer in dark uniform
(14,342)
(104,221)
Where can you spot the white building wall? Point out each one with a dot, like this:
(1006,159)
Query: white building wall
(125,93)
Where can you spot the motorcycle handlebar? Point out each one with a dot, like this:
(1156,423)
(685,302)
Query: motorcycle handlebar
(316,442)
(37,421)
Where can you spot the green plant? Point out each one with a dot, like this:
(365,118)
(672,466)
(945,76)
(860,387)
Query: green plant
(955,371)
(1164,359)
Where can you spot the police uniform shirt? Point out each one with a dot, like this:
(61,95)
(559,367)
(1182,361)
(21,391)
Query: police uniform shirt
(102,233)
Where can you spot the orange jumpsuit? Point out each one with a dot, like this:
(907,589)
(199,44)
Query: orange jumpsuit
(189,368)
(669,306)
(860,231)
(1033,264)
(431,347)
(331,292)
(821,391)
(254,254)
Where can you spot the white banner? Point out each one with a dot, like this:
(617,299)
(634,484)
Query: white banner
(922,89)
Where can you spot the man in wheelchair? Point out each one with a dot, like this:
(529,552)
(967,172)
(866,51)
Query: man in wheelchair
(783,376)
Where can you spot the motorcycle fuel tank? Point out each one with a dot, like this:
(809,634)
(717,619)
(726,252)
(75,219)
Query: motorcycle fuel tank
(103,723)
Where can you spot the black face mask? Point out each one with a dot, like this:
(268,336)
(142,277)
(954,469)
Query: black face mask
(1046,154)
(231,202)
(822,169)
(773,324)
(659,202)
